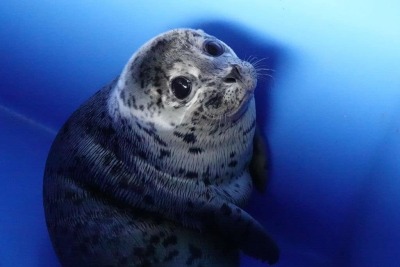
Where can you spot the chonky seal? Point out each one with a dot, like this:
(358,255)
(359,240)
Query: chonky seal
(153,170)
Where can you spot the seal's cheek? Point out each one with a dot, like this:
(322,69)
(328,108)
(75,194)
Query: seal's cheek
(214,102)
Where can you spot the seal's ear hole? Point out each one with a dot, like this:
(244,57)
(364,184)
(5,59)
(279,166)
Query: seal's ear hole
(213,48)
(181,87)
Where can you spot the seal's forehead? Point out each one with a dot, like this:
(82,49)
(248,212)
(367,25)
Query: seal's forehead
(185,33)
(179,37)
(186,39)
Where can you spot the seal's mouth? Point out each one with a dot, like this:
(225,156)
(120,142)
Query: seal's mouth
(237,113)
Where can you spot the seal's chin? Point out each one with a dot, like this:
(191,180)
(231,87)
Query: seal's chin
(232,114)
(238,114)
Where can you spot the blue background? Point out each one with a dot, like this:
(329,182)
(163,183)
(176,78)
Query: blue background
(331,112)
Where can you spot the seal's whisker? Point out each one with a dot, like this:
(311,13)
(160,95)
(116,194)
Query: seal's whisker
(267,69)
(259,60)
(252,60)
(265,77)
(264,74)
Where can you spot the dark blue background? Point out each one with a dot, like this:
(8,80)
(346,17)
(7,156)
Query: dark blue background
(331,112)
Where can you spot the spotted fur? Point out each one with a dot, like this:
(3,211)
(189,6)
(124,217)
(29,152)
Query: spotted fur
(137,177)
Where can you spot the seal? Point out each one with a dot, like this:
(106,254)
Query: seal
(153,170)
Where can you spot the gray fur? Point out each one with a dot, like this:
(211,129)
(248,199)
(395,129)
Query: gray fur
(137,177)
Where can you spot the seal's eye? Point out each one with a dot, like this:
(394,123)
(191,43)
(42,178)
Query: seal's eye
(181,87)
(213,48)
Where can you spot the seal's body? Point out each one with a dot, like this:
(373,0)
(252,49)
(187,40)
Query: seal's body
(153,169)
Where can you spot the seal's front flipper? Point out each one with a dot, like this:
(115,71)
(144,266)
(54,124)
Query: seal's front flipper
(259,162)
(261,246)
(240,229)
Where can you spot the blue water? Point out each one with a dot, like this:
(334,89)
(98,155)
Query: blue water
(331,112)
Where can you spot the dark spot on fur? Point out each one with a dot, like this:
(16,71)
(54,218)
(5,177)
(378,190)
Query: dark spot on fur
(232,164)
(161,44)
(206,181)
(252,126)
(122,95)
(191,175)
(156,82)
(189,138)
(159,103)
(195,34)
(195,150)
(142,155)
(164,153)
(210,84)
(154,136)
(215,102)
(107,132)
(178,134)
(226,210)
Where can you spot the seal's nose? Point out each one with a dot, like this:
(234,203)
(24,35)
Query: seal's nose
(234,75)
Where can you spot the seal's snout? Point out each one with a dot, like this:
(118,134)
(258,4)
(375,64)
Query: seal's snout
(234,75)
(242,74)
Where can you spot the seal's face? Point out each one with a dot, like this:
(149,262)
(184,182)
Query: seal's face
(187,76)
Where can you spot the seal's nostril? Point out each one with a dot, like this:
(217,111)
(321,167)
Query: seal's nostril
(235,71)
(230,80)
(234,75)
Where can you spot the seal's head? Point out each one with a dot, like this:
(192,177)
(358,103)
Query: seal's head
(188,77)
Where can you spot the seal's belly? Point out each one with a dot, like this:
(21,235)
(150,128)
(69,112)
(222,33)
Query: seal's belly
(100,234)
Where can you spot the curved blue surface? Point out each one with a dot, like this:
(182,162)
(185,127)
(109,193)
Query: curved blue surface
(331,112)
